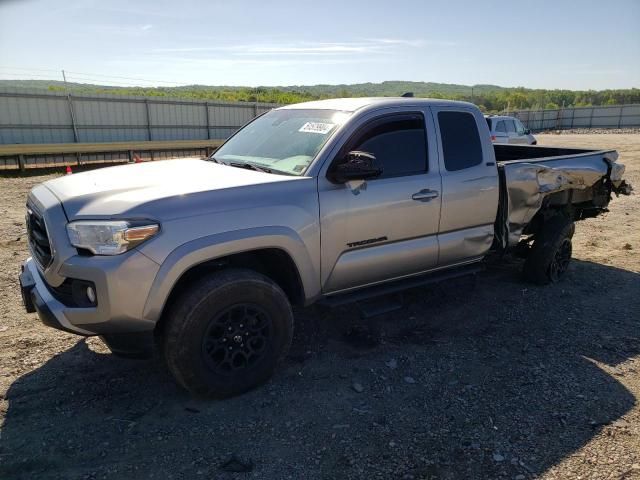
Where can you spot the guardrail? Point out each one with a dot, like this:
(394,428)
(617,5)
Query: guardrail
(22,157)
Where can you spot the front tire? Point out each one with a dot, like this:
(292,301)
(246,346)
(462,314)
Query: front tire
(550,254)
(228,333)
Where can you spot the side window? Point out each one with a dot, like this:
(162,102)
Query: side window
(501,128)
(398,143)
(511,128)
(460,140)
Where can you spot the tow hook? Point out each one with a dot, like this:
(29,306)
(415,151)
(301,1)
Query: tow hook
(623,189)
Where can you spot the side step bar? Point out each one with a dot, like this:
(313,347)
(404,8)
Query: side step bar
(375,291)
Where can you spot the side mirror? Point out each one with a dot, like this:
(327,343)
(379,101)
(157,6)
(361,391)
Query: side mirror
(527,131)
(357,165)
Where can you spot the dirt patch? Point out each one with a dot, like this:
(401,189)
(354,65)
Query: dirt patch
(491,378)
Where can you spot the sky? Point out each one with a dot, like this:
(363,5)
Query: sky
(584,44)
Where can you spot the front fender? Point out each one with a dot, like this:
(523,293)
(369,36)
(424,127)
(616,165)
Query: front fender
(211,247)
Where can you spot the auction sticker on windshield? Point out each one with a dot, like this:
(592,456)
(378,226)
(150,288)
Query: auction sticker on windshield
(317,127)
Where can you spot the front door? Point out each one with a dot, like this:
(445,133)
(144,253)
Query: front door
(521,131)
(387,227)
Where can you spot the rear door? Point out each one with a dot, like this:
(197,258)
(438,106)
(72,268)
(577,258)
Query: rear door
(512,135)
(386,228)
(469,185)
(500,132)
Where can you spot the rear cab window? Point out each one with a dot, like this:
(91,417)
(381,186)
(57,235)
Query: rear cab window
(461,146)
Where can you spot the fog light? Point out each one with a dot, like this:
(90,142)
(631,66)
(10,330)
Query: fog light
(91,294)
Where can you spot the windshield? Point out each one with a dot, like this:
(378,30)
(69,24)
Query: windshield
(282,141)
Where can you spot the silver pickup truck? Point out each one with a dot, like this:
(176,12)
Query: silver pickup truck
(333,201)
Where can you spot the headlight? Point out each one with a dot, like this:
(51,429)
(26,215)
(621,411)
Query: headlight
(109,237)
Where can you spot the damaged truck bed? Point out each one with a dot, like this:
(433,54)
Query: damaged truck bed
(534,179)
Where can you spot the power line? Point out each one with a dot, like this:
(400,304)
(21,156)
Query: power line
(99,82)
(21,76)
(44,78)
(85,75)
(29,69)
(93,75)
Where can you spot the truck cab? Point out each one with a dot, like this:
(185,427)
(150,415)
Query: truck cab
(432,206)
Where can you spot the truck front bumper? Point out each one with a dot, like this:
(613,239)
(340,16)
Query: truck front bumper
(37,298)
(121,285)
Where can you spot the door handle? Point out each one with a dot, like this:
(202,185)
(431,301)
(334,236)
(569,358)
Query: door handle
(425,195)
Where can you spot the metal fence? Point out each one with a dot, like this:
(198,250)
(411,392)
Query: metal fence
(38,116)
(29,116)
(614,116)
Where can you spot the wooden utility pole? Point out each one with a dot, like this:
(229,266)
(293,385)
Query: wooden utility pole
(73,115)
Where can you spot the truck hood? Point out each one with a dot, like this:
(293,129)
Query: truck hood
(153,190)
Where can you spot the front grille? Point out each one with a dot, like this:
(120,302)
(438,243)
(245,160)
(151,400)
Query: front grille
(38,237)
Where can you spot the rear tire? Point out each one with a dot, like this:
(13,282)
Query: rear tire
(228,333)
(550,255)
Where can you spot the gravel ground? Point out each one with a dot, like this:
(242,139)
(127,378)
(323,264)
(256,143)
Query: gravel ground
(595,131)
(485,378)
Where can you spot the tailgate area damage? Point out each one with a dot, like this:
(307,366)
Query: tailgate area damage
(583,182)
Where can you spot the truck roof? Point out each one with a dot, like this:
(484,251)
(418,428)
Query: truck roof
(500,117)
(353,104)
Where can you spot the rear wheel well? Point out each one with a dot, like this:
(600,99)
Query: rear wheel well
(273,263)
(572,204)
(544,216)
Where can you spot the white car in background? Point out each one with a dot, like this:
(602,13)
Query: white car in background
(509,130)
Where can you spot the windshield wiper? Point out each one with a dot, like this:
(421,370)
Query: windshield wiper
(253,166)
(250,166)
(247,165)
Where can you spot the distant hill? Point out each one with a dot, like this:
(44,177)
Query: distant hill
(490,98)
(394,88)
(384,89)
